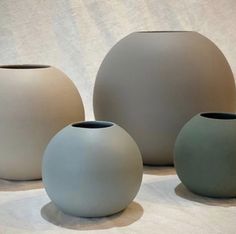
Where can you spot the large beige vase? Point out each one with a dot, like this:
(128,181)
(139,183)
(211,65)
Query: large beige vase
(36,101)
(152,83)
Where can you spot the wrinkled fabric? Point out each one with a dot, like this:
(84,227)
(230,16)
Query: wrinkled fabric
(75,35)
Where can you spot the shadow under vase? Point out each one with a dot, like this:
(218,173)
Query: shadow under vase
(131,214)
(159,170)
(185,193)
(19,185)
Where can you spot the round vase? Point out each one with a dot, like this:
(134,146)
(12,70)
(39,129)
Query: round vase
(36,101)
(92,169)
(152,83)
(205,154)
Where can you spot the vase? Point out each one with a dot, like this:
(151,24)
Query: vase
(205,155)
(92,169)
(36,101)
(152,83)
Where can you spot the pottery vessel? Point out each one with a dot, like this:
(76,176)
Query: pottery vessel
(205,154)
(152,83)
(92,169)
(36,101)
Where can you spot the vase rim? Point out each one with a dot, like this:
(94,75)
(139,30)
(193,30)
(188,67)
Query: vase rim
(218,115)
(24,66)
(166,31)
(93,124)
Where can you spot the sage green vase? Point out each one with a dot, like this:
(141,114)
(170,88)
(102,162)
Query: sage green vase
(205,154)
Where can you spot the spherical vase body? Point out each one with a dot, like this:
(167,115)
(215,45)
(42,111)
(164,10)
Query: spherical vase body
(36,101)
(205,154)
(92,169)
(152,83)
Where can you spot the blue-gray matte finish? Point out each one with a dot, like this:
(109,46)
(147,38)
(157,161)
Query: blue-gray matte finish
(92,169)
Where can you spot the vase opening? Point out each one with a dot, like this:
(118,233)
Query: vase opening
(162,31)
(93,124)
(24,66)
(219,115)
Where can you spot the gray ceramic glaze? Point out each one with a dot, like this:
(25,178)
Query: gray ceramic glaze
(205,154)
(36,101)
(152,83)
(92,169)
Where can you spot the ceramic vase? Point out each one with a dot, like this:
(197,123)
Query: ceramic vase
(205,154)
(152,83)
(92,169)
(36,101)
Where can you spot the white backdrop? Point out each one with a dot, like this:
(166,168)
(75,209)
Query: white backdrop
(75,35)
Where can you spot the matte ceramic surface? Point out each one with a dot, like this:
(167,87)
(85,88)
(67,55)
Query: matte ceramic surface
(92,169)
(152,83)
(36,101)
(205,154)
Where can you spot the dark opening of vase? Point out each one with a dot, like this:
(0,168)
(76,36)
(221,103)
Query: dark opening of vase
(93,124)
(219,115)
(163,31)
(24,66)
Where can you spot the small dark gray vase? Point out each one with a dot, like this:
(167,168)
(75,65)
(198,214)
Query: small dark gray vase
(205,154)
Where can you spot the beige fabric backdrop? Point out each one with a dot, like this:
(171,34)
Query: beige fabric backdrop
(75,35)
